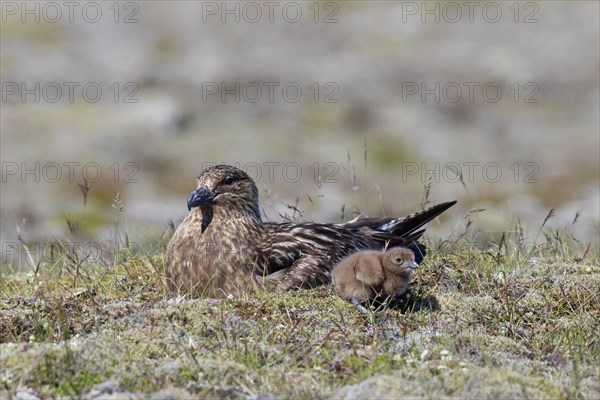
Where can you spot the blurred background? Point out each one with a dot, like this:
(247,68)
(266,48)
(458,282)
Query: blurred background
(111,109)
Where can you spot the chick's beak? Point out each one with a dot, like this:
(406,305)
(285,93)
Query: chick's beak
(203,195)
(412,265)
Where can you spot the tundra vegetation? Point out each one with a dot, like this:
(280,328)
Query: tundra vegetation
(487,319)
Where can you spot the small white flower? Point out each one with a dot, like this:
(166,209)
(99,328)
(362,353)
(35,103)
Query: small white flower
(445,355)
(500,277)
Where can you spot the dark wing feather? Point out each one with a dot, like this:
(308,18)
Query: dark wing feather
(399,226)
(282,244)
(393,232)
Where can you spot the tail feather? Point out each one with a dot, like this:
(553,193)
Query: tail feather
(407,226)
(403,227)
(392,232)
(409,232)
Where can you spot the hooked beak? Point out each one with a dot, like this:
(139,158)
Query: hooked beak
(412,265)
(201,196)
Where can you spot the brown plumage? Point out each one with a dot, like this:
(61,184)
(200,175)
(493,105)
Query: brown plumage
(222,245)
(370,274)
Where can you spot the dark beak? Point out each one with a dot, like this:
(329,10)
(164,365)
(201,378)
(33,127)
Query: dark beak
(412,265)
(201,196)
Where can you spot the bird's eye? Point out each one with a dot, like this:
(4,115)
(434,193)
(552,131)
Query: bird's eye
(228,181)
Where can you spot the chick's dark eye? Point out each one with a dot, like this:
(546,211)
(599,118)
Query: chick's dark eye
(228,181)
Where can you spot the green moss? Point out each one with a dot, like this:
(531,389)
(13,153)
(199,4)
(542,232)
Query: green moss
(78,384)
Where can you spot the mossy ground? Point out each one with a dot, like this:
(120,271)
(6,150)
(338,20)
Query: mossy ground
(513,322)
